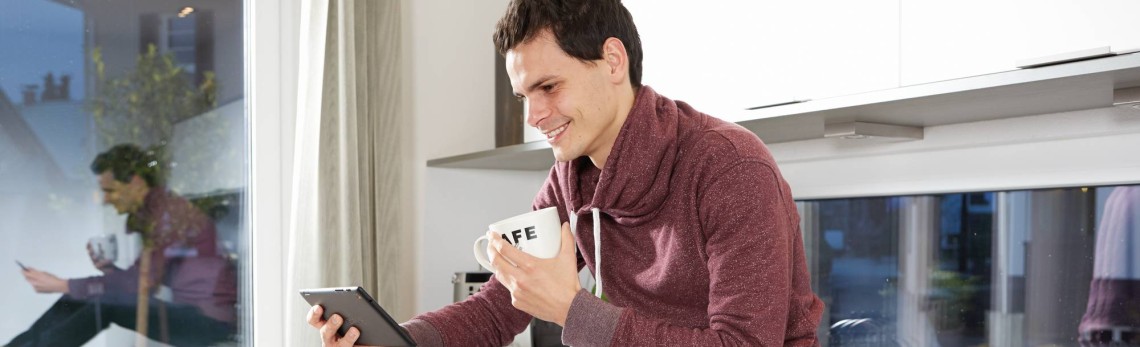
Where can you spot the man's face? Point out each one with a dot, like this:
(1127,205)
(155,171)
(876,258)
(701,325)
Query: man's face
(572,102)
(125,197)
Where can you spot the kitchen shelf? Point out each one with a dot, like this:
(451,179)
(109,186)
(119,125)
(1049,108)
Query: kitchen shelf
(1050,89)
(535,155)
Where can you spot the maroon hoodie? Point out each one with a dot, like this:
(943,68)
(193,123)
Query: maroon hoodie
(700,244)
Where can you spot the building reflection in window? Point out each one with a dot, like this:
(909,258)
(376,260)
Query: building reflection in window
(977,269)
(77,79)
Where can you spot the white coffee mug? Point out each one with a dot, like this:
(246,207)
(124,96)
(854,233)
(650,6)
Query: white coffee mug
(538,233)
(104,247)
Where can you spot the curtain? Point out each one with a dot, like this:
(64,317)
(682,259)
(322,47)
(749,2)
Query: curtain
(351,210)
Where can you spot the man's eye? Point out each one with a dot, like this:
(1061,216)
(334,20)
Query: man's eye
(547,88)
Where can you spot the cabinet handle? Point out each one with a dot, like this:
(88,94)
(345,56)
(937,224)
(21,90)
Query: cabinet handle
(1066,57)
(777,104)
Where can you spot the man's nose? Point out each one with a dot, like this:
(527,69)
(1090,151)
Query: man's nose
(535,112)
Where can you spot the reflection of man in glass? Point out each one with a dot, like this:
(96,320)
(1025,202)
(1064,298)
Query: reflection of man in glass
(179,251)
(1113,314)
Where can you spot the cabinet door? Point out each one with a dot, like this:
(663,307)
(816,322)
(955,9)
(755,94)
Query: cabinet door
(1057,26)
(848,47)
(726,56)
(719,56)
(944,40)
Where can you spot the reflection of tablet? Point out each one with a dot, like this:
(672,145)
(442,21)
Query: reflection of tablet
(358,309)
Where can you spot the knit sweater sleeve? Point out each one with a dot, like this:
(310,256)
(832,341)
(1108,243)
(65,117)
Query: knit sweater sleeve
(117,280)
(744,213)
(484,319)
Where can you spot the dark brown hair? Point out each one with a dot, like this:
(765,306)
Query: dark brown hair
(126,160)
(580,27)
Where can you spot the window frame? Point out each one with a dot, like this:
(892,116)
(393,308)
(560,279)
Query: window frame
(271,40)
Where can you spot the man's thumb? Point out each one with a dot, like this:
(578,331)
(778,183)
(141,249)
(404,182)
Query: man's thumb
(568,244)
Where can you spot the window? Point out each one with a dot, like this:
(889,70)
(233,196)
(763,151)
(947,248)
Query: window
(1013,268)
(178,39)
(123,185)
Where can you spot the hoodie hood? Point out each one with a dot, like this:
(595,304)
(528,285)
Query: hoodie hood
(634,183)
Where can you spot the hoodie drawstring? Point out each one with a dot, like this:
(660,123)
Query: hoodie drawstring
(597,251)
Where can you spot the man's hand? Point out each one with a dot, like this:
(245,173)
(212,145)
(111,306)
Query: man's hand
(104,265)
(44,282)
(329,327)
(544,288)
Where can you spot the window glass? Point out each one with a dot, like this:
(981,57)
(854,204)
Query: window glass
(123,170)
(1053,267)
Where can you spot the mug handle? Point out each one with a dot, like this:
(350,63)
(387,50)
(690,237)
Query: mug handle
(481,252)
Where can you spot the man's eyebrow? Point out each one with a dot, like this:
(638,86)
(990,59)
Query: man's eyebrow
(537,83)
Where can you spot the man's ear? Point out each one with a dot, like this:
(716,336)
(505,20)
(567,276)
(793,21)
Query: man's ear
(616,59)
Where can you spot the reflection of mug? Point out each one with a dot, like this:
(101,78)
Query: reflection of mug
(538,233)
(103,247)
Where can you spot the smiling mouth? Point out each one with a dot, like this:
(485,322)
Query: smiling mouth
(552,134)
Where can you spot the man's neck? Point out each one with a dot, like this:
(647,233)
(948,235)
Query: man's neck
(624,107)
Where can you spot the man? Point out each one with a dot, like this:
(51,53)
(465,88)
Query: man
(699,236)
(180,251)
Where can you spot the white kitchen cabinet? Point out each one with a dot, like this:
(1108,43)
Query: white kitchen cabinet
(719,56)
(848,47)
(1081,85)
(942,40)
(1069,25)
(726,56)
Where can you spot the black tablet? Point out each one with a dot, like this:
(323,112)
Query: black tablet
(358,309)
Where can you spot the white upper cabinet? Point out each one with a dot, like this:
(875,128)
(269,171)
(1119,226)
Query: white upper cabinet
(848,47)
(1058,26)
(726,56)
(719,56)
(943,40)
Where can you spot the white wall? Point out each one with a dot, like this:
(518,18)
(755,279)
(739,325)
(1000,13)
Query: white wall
(460,203)
(453,105)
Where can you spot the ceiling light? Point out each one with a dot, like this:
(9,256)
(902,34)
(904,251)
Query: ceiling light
(186,11)
(865,130)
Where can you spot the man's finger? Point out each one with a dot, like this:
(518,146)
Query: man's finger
(568,243)
(503,267)
(497,248)
(513,255)
(504,270)
(328,332)
(349,338)
(314,316)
